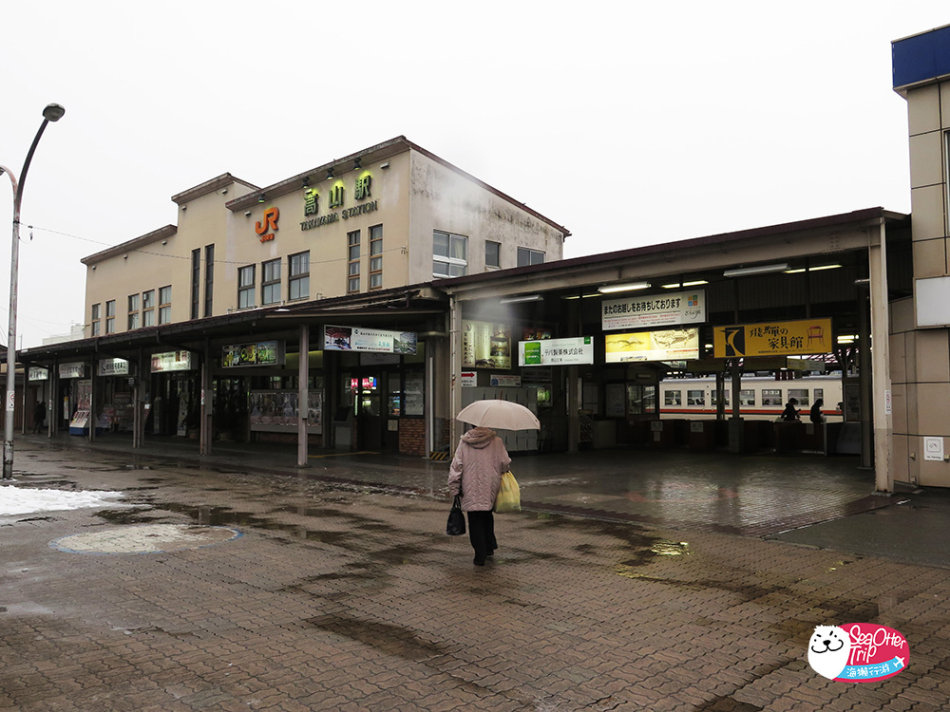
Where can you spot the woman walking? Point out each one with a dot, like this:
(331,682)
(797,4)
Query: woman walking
(475,472)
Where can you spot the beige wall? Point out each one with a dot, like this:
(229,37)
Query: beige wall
(445,200)
(326,243)
(920,358)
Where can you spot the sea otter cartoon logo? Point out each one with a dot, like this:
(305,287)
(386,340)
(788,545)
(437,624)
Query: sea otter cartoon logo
(857,652)
(828,650)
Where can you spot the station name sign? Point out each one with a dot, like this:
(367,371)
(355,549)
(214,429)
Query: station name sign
(336,198)
(654,310)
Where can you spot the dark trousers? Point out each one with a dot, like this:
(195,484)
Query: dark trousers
(481,532)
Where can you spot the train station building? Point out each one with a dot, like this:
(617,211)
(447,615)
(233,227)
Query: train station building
(361,304)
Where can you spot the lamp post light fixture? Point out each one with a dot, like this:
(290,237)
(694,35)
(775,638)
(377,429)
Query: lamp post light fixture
(52,112)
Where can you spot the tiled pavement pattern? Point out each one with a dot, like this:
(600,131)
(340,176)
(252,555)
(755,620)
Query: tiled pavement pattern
(347,598)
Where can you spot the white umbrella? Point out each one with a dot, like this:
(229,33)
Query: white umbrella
(501,414)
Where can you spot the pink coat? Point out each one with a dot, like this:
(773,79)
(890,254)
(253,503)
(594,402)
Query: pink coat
(479,462)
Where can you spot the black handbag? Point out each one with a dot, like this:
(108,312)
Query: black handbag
(456,523)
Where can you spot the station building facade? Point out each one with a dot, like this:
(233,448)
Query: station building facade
(354,231)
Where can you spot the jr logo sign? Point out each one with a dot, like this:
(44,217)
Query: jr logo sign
(268,226)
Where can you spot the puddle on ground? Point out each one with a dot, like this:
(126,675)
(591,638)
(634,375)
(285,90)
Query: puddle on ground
(135,515)
(385,637)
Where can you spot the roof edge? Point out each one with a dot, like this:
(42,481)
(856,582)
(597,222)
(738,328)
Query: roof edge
(147,239)
(216,183)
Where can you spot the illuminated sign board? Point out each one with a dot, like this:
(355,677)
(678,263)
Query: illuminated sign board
(113,367)
(75,369)
(556,352)
(667,345)
(352,338)
(259,353)
(172,361)
(38,374)
(774,338)
(654,310)
(485,345)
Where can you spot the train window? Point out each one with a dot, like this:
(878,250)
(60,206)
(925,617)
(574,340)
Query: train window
(695,398)
(819,394)
(714,398)
(673,398)
(800,393)
(772,396)
(747,397)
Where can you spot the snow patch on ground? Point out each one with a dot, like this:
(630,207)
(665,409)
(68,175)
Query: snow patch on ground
(24,500)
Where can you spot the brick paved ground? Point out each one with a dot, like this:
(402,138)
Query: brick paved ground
(343,598)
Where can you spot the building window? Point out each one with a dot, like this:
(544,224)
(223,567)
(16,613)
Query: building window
(195,282)
(165,305)
(299,276)
(94,321)
(270,282)
(376,257)
(747,397)
(529,257)
(671,398)
(246,281)
(771,396)
(110,316)
(353,261)
(492,254)
(133,311)
(148,308)
(449,254)
(695,397)
(209,280)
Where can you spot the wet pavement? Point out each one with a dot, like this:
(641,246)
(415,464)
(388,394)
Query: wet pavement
(796,498)
(633,580)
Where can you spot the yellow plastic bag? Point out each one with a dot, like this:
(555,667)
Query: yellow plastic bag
(509,496)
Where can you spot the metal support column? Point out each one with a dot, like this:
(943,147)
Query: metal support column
(880,357)
(303,409)
(205,416)
(455,375)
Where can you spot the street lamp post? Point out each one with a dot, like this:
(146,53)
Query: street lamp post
(52,112)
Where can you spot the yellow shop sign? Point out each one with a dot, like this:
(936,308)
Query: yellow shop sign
(774,338)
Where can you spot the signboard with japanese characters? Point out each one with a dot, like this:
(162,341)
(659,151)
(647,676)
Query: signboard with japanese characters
(113,367)
(73,369)
(556,352)
(775,338)
(172,361)
(352,338)
(654,310)
(667,345)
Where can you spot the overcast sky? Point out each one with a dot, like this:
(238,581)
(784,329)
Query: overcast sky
(630,123)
